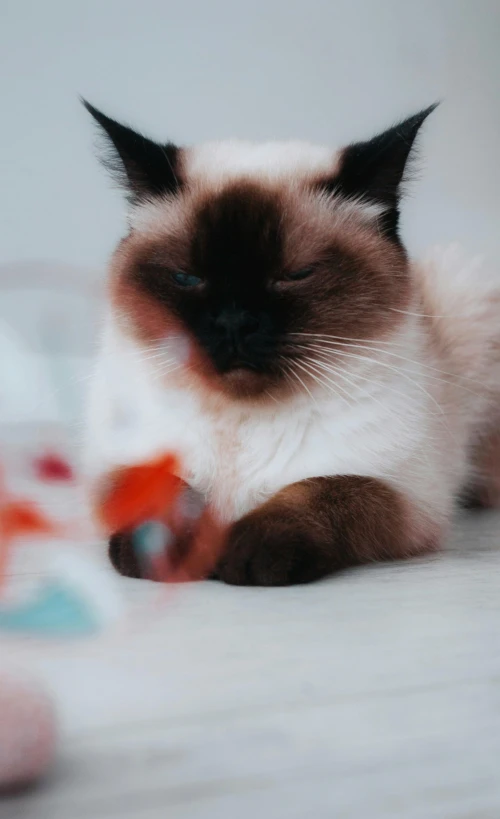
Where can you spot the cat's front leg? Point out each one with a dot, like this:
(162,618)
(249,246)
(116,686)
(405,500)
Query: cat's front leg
(318,526)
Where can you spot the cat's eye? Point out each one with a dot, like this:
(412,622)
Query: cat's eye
(187,280)
(298,275)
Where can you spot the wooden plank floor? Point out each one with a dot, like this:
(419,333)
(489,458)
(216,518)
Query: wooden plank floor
(375,694)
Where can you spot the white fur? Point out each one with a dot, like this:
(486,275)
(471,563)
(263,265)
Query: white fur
(409,424)
(221,161)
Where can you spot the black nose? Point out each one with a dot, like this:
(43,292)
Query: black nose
(237,323)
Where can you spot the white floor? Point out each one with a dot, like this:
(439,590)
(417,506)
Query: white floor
(374,694)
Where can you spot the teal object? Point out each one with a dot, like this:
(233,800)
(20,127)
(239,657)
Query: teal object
(56,611)
(152,538)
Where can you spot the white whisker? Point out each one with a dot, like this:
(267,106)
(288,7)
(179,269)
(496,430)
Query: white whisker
(162,373)
(297,376)
(321,382)
(272,397)
(154,356)
(399,371)
(436,378)
(329,367)
(346,338)
(337,341)
(429,315)
(396,370)
(367,393)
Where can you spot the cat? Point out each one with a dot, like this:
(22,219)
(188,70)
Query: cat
(344,398)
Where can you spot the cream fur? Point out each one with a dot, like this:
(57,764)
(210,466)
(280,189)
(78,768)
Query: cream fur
(405,411)
(221,161)
(409,424)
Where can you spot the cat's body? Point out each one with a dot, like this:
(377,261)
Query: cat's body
(358,444)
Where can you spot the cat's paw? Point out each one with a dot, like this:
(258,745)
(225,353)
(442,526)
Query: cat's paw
(122,555)
(273,548)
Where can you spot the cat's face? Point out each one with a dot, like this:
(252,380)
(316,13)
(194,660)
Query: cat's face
(261,255)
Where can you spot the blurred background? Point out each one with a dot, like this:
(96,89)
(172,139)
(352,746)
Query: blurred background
(325,70)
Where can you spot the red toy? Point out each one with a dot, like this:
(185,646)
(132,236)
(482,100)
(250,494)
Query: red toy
(180,540)
(51,467)
(19,517)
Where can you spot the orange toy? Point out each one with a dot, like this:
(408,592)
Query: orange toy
(149,500)
(19,517)
(139,493)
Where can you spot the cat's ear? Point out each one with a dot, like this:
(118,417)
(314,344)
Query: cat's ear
(143,167)
(373,171)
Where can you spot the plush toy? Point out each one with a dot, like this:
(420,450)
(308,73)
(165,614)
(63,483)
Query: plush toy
(28,732)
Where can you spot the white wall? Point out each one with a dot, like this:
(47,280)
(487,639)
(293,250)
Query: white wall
(328,70)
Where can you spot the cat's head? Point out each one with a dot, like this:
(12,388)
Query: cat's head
(262,253)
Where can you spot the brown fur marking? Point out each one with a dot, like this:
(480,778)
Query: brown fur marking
(309,530)
(242,239)
(319,526)
(485,491)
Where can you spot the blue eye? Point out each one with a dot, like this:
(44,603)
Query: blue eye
(186,279)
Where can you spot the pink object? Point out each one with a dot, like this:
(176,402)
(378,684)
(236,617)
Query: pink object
(52,467)
(27,732)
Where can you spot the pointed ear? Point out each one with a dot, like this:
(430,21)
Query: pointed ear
(373,171)
(141,166)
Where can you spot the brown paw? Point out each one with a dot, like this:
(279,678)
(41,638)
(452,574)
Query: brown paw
(272,548)
(122,555)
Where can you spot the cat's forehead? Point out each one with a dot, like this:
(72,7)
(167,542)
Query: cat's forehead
(249,196)
(223,161)
(289,173)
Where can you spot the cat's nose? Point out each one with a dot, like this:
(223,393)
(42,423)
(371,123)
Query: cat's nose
(237,323)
